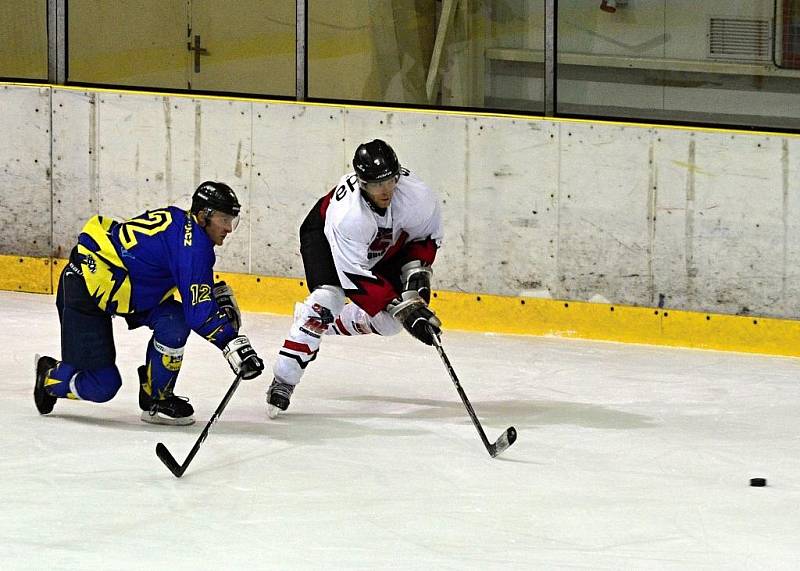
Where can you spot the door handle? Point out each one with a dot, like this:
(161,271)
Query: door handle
(198,51)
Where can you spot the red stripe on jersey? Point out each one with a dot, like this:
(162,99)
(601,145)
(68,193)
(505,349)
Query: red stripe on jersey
(300,347)
(372,294)
(424,251)
(394,248)
(341,326)
(326,202)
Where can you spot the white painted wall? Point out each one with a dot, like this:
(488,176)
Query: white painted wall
(25,171)
(572,210)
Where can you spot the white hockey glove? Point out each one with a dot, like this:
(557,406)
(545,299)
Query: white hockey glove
(242,358)
(223,294)
(417,277)
(415,315)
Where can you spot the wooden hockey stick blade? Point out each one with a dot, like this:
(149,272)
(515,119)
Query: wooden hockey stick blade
(169,460)
(506,439)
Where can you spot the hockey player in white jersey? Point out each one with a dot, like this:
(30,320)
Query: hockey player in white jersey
(372,239)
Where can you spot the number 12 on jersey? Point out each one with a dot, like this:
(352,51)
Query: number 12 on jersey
(200,293)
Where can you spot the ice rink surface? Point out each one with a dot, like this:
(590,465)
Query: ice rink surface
(628,457)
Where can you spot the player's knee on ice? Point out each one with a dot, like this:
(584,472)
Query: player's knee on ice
(99,385)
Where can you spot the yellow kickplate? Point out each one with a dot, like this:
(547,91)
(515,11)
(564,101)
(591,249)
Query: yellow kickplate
(500,314)
(20,273)
(265,294)
(627,324)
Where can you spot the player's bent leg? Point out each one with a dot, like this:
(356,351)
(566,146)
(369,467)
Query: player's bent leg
(164,357)
(353,320)
(99,385)
(87,371)
(163,363)
(384,324)
(94,385)
(311,320)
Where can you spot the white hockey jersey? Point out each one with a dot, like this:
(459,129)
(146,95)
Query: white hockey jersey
(360,238)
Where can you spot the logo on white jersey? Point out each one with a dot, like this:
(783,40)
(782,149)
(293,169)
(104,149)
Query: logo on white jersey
(380,244)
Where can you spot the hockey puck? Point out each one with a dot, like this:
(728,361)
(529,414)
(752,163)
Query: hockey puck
(758,482)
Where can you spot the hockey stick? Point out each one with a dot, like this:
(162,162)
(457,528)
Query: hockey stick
(506,439)
(169,460)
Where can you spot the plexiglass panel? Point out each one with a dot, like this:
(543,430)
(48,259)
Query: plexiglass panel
(242,47)
(377,50)
(139,43)
(23,39)
(721,61)
(484,54)
(727,62)
(515,56)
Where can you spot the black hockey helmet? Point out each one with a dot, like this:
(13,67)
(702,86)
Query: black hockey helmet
(375,161)
(213,196)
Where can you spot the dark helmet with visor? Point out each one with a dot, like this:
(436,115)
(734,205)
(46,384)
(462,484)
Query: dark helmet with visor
(212,197)
(375,161)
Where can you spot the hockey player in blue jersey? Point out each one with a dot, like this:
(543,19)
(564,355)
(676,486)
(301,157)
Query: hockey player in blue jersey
(132,269)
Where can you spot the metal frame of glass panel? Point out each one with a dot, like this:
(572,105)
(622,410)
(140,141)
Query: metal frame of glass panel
(300,52)
(56,41)
(550,67)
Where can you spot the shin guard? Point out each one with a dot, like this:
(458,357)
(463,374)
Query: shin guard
(163,365)
(312,318)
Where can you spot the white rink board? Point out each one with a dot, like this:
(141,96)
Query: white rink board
(628,457)
(512,177)
(75,166)
(605,201)
(155,150)
(287,183)
(696,220)
(25,170)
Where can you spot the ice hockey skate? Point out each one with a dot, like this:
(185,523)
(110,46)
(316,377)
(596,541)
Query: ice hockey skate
(278,396)
(171,410)
(44,400)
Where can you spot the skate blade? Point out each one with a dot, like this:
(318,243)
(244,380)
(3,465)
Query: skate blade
(166,420)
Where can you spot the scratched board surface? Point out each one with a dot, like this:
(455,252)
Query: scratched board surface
(695,220)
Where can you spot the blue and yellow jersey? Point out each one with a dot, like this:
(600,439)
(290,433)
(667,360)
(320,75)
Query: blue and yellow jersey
(132,266)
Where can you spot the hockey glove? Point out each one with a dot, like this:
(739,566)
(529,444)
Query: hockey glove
(417,277)
(223,294)
(415,315)
(242,358)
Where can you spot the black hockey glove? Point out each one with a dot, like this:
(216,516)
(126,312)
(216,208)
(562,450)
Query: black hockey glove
(242,358)
(417,277)
(415,315)
(223,294)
